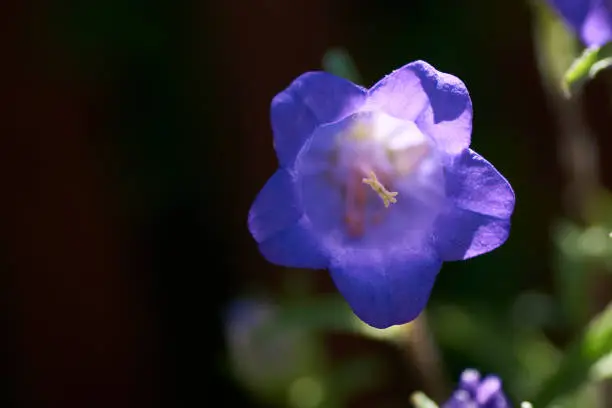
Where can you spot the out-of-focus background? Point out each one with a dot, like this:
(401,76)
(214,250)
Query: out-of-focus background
(138,136)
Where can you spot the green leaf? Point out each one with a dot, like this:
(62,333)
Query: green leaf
(339,62)
(575,368)
(420,400)
(586,67)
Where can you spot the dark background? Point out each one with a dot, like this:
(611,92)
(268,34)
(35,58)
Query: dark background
(137,137)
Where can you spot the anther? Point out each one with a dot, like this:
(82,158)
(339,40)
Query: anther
(387,196)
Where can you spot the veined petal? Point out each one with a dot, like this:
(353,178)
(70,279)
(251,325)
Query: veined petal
(276,222)
(295,247)
(439,103)
(592,20)
(274,208)
(463,234)
(314,98)
(385,288)
(475,185)
(482,203)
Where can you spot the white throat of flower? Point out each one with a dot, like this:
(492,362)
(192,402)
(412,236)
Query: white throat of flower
(377,153)
(382,149)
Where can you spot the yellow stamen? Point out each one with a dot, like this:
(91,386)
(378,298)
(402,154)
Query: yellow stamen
(386,195)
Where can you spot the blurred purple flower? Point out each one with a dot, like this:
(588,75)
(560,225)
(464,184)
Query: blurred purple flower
(591,19)
(379,186)
(474,392)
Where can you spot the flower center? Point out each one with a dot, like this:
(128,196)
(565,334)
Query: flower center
(379,150)
(369,179)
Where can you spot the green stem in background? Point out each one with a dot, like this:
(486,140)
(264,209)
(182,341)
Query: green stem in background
(421,350)
(420,400)
(585,68)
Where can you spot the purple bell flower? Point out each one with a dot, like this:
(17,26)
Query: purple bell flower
(474,392)
(379,186)
(591,19)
